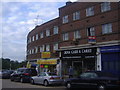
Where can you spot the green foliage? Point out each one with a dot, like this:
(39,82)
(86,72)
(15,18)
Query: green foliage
(10,64)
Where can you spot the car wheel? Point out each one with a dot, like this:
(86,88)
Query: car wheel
(21,80)
(46,83)
(32,81)
(12,79)
(68,85)
(101,87)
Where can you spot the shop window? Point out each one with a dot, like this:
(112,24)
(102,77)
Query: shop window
(91,31)
(65,36)
(55,30)
(105,6)
(90,11)
(106,28)
(76,15)
(65,19)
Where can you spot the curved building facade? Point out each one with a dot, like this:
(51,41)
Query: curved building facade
(84,36)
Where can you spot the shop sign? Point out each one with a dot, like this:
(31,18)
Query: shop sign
(45,55)
(108,49)
(79,53)
(50,61)
(28,65)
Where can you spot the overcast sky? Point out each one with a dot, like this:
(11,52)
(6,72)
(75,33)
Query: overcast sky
(18,19)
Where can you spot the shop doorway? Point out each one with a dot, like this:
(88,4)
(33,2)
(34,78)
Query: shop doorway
(78,67)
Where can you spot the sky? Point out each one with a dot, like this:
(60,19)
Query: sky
(18,18)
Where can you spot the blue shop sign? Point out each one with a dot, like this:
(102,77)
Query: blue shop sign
(108,49)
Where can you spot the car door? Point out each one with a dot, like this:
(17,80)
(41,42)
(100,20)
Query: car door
(88,79)
(40,78)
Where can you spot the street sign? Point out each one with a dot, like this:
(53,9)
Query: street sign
(92,39)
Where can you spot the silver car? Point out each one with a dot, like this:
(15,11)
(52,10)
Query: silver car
(46,78)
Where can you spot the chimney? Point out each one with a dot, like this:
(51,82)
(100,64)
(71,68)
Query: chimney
(68,3)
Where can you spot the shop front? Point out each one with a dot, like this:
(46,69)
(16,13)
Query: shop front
(110,59)
(47,65)
(80,59)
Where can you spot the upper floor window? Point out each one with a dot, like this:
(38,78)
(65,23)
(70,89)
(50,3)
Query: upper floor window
(36,36)
(77,34)
(105,6)
(42,48)
(29,40)
(36,49)
(91,31)
(41,35)
(65,36)
(55,30)
(55,46)
(32,51)
(48,48)
(33,38)
(106,28)
(47,32)
(76,15)
(90,11)
(65,19)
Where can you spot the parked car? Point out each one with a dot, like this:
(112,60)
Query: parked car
(93,79)
(5,74)
(46,78)
(23,74)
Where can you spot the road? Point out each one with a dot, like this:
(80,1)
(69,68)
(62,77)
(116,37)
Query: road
(6,83)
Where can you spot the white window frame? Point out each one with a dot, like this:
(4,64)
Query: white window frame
(55,30)
(55,46)
(65,19)
(76,15)
(36,49)
(29,39)
(91,31)
(33,38)
(47,32)
(47,48)
(90,11)
(107,28)
(32,51)
(36,36)
(77,34)
(105,6)
(41,35)
(65,36)
(42,48)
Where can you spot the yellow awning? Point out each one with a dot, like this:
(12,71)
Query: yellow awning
(49,61)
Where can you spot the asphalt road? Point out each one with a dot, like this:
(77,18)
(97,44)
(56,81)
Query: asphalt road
(6,83)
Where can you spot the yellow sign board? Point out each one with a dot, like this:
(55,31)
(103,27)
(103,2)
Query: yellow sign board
(50,61)
(45,55)
(28,65)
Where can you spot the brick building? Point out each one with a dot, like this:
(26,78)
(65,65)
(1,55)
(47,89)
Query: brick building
(86,35)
